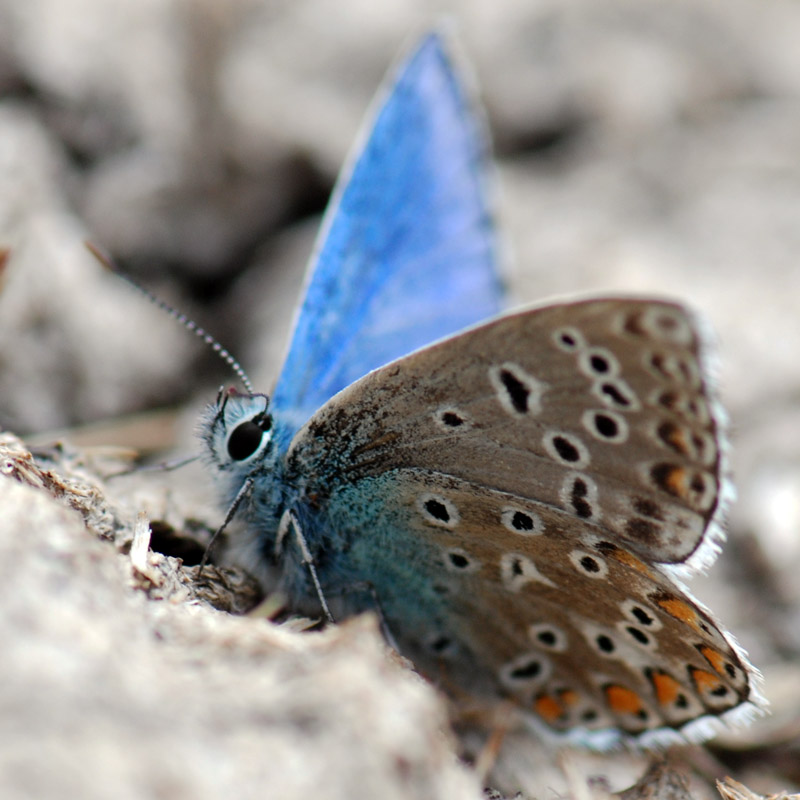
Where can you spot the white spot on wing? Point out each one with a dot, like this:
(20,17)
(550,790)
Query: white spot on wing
(525,671)
(521,521)
(517,570)
(598,362)
(567,449)
(438,510)
(569,339)
(598,421)
(529,387)
(589,564)
(548,636)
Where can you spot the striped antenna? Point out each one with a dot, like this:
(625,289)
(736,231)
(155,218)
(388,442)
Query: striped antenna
(5,254)
(187,323)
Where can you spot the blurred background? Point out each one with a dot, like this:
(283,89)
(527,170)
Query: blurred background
(641,147)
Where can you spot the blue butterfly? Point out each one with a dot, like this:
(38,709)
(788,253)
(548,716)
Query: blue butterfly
(509,500)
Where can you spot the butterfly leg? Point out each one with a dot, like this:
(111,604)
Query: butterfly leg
(244,492)
(369,588)
(162,466)
(289,520)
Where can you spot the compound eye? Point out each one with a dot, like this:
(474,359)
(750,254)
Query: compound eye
(245,440)
(264,421)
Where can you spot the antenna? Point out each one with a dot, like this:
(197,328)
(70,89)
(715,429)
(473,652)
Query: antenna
(180,317)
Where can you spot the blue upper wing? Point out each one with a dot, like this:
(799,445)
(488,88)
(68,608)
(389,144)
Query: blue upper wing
(407,250)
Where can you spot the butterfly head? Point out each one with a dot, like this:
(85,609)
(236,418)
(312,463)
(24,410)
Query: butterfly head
(238,436)
(237,430)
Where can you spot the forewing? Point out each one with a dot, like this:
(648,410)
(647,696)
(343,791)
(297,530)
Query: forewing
(599,408)
(406,254)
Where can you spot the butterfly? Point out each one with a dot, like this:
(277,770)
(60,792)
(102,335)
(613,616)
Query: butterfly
(517,500)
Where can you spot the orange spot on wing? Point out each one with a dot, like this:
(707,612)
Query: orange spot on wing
(705,681)
(569,697)
(675,437)
(717,660)
(631,561)
(680,442)
(548,708)
(667,688)
(677,482)
(680,610)
(623,701)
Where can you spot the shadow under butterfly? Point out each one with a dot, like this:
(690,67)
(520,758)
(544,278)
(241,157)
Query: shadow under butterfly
(516,501)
